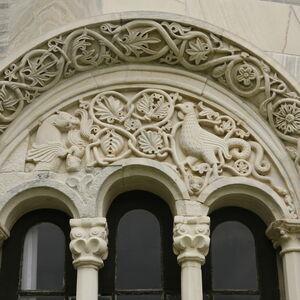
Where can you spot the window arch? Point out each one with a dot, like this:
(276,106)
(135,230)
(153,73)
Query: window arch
(141,264)
(36,260)
(241,264)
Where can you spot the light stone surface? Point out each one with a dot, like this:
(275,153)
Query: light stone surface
(277,31)
(28,19)
(197,144)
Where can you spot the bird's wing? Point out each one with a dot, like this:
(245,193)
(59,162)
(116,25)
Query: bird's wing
(211,139)
(44,152)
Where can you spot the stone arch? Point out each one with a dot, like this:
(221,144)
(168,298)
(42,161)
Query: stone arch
(37,195)
(245,193)
(219,66)
(23,83)
(145,175)
(211,94)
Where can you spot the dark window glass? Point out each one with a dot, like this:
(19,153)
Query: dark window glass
(233,254)
(141,264)
(43,298)
(36,264)
(43,258)
(241,264)
(240,297)
(139,297)
(138,251)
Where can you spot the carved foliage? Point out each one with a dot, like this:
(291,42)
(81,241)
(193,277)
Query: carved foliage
(89,241)
(145,41)
(198,142)
(285,234)
(191,238)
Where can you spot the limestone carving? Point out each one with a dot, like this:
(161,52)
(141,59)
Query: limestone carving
(200,143)
(89,241)
(82,185)
(147,41)
(285,234)
(49,147)
(191,238)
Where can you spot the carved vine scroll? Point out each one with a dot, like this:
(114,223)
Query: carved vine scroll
(160,42)
(190,136)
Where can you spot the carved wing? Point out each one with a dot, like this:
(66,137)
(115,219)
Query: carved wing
(44,152)
(211,139)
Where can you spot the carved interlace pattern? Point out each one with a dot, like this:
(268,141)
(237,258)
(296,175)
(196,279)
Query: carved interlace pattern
(149,41)
(89,241)
(198,142)
(191,238)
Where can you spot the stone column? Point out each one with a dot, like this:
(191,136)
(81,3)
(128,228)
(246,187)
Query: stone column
(286,235)
(89,249)
(191,244)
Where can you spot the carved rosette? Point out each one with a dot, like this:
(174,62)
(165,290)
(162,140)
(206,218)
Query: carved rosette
(197,140)
(89,242)
(285,234)
(191,238)
(150,41)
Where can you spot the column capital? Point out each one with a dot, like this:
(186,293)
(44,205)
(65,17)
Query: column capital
(285,234)
(89,242)
(191,238)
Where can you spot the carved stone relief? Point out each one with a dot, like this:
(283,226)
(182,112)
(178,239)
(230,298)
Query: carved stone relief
(149,41)
(191,238)
(285,234)
(196,140)
(89,241)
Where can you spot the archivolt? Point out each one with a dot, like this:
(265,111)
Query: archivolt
(197,48)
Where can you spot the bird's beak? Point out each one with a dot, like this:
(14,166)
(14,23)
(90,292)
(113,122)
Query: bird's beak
(178,106)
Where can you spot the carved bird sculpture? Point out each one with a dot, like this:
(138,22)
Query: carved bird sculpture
(198,142)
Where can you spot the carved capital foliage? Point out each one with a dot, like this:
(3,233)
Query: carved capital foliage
(285,234)
(191,238)
(160,42)
(89,241)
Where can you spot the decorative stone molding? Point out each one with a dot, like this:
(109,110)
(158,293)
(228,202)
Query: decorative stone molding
(285,234)
(191,238)
(198,141)
(160,42)
(89,241)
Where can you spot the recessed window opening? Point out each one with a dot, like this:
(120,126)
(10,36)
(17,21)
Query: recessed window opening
(241,264)
(37,263)
(141,263)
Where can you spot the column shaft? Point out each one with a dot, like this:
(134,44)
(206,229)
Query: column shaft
(191,281)
(89,248)
(291,267)
(191,243)
(286,235)
(87,283)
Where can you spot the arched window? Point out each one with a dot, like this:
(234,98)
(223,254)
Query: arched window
(36,260)
(241,264)
(141,264)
